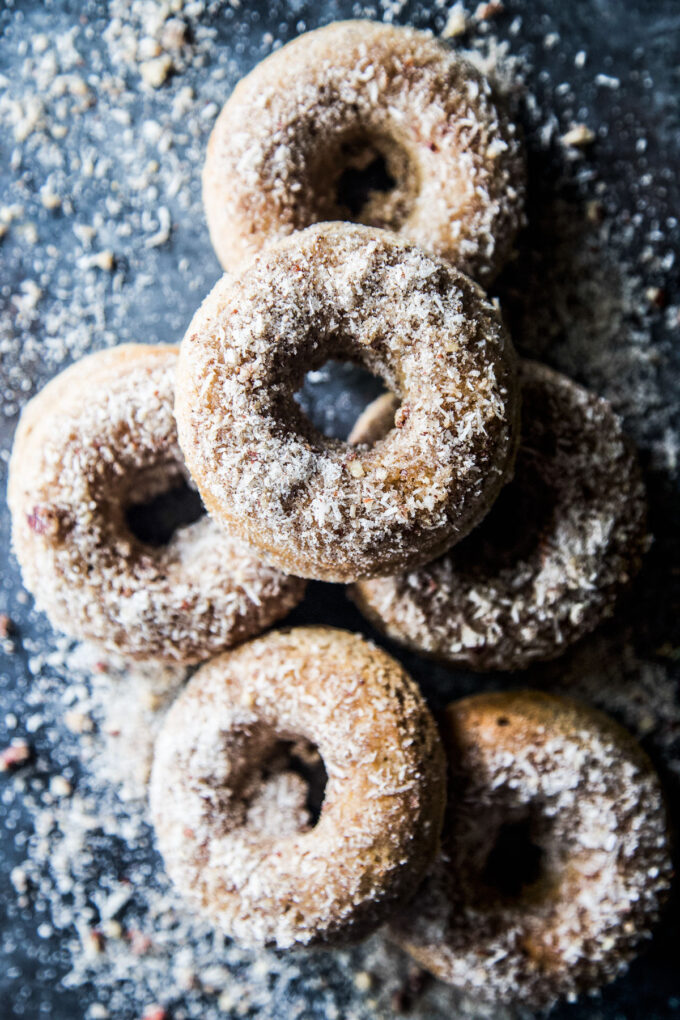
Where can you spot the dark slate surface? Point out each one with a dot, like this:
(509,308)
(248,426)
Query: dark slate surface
(639,43)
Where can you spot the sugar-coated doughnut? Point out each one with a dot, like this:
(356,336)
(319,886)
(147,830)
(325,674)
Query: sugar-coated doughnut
(440,162)
(230,817)
(546,564)
(316,506)
(97,440)
(555,856)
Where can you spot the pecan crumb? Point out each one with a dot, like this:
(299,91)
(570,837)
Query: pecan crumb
(456,23)
(657,296)
(489,10)
(174,34)
(578,137)
(93,942)
(594,211)
(139,942)
(78,722)
(155,72)
(155,1013)
(60,787)
(6,626)
(15,754)
(402,416)
(363,980)
(47,520)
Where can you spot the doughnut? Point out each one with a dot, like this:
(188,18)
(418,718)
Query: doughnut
(315,506)
(545,566)
(369,122)
(97,441)
(375,421)
(555,857)
(229,813)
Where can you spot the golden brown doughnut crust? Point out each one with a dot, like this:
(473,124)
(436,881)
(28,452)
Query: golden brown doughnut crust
(273,879)
(98,438)
(333,102)
(315,506)
(546,565)
(546,781)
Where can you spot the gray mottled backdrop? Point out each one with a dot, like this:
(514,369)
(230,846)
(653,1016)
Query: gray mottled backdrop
(105,111)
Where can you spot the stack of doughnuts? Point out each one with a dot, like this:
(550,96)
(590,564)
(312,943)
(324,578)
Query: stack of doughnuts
(361,185)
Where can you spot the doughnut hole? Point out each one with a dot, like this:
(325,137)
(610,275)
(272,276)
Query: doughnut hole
(515,865)
(291,789)
(513,530)
(371,181)
(336,394)
(276,783)
(158,502)
(509,857)
(365,178)
(356,185)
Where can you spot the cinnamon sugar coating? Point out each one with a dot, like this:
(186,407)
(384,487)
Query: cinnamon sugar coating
(233,830)
(442,164)
(547,563)
(98,439)
(316,506)
(555,856)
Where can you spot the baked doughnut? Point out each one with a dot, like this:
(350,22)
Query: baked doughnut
(230,818)
(545,566)
(313,505)
(369,122)
(95,442)
(555,857)
(375,421)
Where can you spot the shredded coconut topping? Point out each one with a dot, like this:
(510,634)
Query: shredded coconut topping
(594,808)
(547,563)
(316,506)
(279,881)
(337,100)
(77,465)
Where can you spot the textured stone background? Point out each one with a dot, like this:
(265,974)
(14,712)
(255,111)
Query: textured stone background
(104,241)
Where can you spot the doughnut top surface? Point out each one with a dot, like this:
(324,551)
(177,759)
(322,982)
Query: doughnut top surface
(316,506)
(547,563)
(234,834)
(359,101)
(555,853)
(97,441)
